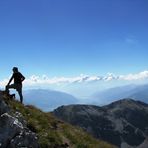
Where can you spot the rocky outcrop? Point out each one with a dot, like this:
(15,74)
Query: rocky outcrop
(123,123)
(13,129)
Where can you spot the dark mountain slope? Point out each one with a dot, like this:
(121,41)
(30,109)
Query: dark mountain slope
(124,121)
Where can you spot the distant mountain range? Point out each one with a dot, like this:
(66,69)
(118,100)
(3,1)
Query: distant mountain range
(123,123)
(48,100)
(136,92)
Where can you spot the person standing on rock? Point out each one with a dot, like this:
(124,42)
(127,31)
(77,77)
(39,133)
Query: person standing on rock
(18,79)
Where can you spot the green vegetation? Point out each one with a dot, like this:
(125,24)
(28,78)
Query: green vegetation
(52,132)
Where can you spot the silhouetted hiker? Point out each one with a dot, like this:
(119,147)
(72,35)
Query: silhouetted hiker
(18,79)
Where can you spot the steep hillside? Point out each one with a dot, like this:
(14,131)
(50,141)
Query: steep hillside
(121,123)
(27,126)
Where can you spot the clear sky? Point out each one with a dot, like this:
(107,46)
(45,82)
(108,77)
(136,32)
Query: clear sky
(66,38)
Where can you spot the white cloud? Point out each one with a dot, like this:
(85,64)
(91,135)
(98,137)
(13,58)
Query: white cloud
(139,76)
(35,80)
(85,78)
(94,78)
(109,77)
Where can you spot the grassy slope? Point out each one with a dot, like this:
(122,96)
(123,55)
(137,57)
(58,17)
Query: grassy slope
(54,133)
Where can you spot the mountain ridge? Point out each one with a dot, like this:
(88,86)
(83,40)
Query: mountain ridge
(118,123)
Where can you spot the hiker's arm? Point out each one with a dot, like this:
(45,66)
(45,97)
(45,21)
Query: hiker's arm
(10,80)
(23,78)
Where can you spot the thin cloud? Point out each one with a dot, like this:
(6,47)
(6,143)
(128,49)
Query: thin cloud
(131,40)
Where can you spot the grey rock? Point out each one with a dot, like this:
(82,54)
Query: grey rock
(3,106)
(13,129)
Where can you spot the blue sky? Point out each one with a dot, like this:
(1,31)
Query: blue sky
(66,38)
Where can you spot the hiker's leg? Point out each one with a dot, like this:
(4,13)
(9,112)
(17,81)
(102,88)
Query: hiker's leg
(21,96)
(10,87)
(19,90)
(7,89)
